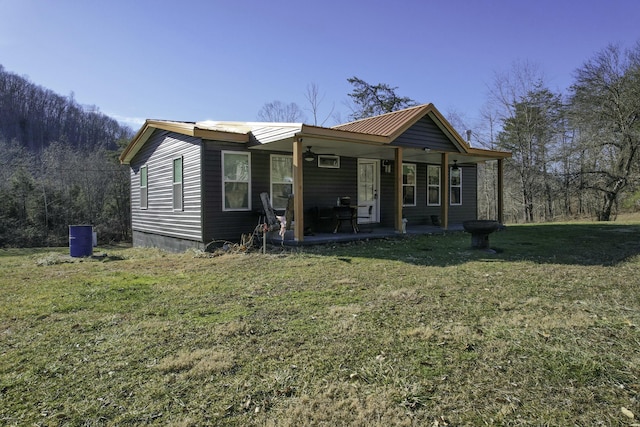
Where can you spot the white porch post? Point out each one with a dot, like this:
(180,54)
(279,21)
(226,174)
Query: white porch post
(298,205)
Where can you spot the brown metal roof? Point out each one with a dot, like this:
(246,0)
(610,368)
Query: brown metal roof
(387,125)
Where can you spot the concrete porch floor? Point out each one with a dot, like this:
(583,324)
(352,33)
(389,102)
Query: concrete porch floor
(367,231)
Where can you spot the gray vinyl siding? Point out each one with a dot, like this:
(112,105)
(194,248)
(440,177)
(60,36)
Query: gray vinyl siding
(160,218)
(425,133)
(469,208)
(386,197)
(417,214)
(321,188)
(219,225)
(421,213)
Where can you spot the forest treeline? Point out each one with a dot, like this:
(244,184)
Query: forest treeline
(59,167)
(575,154)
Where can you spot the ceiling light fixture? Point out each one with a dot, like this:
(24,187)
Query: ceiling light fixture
(308,155)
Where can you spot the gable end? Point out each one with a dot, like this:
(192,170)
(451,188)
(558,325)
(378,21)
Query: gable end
(425,133)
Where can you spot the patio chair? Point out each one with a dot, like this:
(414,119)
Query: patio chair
(269,213)
(345,212)
(274,221)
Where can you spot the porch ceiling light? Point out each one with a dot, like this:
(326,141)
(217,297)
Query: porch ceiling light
(308,155)
(455,165)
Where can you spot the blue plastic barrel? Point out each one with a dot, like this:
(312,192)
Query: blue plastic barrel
(80,240)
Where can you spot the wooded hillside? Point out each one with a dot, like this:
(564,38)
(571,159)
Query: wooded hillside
(58,167)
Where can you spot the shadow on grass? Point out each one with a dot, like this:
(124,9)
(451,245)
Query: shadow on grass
(605,244)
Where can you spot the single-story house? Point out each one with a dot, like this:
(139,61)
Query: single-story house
(197,182)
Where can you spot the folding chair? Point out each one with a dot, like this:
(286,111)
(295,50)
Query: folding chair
(282,223)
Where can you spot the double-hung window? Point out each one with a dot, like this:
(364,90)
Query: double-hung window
(433,185)
(177,184)
(455,186)
(281,180)
(408,184)
(144,185)
(236,175)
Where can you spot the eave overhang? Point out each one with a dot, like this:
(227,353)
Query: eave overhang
(341,135)
(183,128)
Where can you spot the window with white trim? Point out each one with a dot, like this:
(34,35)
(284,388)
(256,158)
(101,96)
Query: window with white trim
(408,184)
(236,175)
(177,184)
(144,185)
(455,186)
(433,185)
(281,180)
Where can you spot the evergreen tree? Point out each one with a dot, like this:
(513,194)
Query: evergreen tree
(371,100)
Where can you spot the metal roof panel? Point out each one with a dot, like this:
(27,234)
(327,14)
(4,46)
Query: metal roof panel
(389,124)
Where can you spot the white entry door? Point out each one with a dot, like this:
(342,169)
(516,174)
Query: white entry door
(368,184)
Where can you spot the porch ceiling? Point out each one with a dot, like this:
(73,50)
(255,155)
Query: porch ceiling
(371,151)
(331,147)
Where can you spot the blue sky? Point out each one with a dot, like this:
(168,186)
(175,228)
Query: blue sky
(223,60)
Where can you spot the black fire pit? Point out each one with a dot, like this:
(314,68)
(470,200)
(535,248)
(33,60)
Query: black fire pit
(480,230)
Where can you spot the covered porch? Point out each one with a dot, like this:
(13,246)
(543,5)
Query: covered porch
(415,136)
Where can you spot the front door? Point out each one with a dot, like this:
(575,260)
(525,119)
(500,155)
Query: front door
(368,183)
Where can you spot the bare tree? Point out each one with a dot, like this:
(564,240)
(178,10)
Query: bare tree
(606,113)
(277,111)
(488,171)
(313,97)
(458,121)
(530,115)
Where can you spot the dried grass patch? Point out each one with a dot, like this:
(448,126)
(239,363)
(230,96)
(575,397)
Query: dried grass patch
(197,363)
(421,332)
(344,318)
(341,404)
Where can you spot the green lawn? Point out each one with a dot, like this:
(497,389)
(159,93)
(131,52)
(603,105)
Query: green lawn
(410,331)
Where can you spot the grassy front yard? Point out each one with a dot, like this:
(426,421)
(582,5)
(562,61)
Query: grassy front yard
(410,331)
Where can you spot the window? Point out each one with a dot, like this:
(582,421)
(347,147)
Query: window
(328,161)
(433,185)
(455,186)
(281,180)
(143,188)
(408,184)
(177,184)
(236,169)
